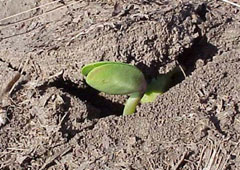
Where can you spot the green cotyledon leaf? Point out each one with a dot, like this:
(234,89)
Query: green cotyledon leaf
(87,68)
(160,85)
(157,86)
(116,78)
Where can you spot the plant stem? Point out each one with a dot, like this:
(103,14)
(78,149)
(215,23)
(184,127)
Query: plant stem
(132,102)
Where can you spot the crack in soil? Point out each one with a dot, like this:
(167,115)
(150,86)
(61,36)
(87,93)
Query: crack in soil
(9,65)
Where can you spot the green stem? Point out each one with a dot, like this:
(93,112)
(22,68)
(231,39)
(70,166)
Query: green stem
(131,103)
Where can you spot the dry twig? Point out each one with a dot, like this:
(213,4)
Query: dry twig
(9,86)
(34,17)
(181,160)
(201,157)
(20,13)
(55,156)
(232,3)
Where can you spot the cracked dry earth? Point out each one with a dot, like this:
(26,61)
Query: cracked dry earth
(55,121)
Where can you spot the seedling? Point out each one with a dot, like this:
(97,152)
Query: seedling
(124,79)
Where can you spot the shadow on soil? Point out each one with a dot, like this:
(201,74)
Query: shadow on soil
(201,49)
(92,97)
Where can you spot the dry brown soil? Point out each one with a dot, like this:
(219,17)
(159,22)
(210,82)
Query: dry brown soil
(55,121)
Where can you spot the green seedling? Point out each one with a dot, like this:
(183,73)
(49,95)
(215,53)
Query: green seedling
(124,79)
(161,84)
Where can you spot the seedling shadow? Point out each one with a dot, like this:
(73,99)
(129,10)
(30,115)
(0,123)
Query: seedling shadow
(91,96)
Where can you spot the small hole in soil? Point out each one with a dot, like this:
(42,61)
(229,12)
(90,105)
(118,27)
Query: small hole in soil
(105,106)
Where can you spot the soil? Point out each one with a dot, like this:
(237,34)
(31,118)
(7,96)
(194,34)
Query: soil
(54,120)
